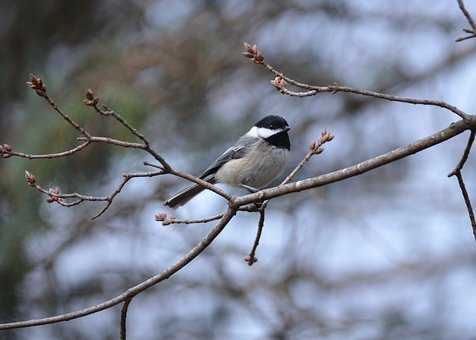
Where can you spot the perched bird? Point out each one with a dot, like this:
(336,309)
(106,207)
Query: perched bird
(256,159)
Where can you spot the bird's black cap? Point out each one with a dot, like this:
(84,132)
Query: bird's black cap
(272,122)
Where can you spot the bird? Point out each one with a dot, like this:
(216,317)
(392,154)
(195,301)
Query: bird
(255,160)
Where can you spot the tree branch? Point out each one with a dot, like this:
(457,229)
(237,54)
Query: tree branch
(315,148)
(281,80)
(55,195)
(453,130)
(91,100)
(470,20)
(125,307)
(457,172)
(251,258)
(152,281)
(162,217)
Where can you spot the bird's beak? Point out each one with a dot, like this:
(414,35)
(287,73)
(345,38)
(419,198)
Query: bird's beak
(287,128)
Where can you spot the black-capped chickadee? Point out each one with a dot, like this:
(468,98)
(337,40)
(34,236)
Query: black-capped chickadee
(256,159)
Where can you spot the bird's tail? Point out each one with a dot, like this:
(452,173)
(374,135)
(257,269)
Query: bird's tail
(186,195)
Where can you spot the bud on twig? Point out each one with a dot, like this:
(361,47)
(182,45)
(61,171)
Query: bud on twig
(90,100)
(37,84)
(316,146)
(326,137)
(160,217)
(53,193)
(253,53)
(250,260)
(279,83)
(5,151)
(30,178)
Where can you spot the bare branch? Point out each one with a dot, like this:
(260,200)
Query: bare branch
(457,172)
(162,217)
(357,169)
(251,258)
(314,149)
(54,194)
(280,81)
(467,201)
(471,22)
(48,156)
(152,281)
(465,155)
(93,101)
(124,310)
(193,179)
(37,84)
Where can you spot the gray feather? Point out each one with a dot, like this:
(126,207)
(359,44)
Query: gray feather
(237,151)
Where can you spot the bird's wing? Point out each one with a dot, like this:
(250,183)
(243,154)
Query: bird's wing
(237,151)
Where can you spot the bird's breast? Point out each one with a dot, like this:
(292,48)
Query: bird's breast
(262,164)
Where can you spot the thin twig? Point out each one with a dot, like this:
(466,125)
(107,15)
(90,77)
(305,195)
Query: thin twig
(51,155)
(124,310)
(465,155)
(466,37)
(467,15)
(457,172)
(314,149)
(37,84)
(193,179)
(167,221)
(467,201)
(54,194)
(251,258)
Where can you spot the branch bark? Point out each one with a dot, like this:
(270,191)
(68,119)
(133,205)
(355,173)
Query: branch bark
(152,281)
(453,130)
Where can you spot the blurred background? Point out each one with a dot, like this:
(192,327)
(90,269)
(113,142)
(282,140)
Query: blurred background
(386,255)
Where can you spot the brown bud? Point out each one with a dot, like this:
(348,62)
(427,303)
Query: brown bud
(326,137)
(37,84)
(250,260)
(5,151)
(90,100)
(53,192)
(89,94)
(30,178)
(253,53)
(160,217)
(278,82)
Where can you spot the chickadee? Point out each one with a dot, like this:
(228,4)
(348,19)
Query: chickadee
(256,159)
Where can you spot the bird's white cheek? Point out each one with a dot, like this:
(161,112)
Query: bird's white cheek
(261,132)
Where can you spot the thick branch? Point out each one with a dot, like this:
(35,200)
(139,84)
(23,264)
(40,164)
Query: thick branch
(191,255)
(357,169)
